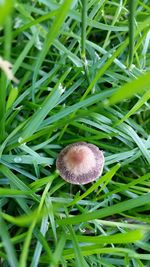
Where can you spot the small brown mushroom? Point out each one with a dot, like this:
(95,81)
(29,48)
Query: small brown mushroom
(80,163)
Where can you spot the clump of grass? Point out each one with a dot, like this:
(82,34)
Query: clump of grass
(72,61)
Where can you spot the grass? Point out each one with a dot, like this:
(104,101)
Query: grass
(83,70)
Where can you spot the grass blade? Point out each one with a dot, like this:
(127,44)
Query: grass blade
(130,89)
(80,261)
(117,208)
(51,35)
(12,259)
(131,19)
(100,181)
(136,107)
(122,238)
(45,108)
(17,182)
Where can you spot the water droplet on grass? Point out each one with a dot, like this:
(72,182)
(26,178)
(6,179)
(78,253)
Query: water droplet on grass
(17,159)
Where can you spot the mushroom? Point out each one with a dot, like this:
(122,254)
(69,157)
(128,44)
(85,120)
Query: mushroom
(80,163)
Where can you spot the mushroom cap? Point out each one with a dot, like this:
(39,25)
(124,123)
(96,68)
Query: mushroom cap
(80,163)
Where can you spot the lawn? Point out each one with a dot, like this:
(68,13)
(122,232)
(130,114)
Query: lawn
(74,71)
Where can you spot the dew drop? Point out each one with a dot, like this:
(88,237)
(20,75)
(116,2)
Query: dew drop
(20,139)
(17,159)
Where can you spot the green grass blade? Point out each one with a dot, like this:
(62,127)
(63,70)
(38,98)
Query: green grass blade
(116,251)
(136,107)
(38,248)
(17,182)
(12,259)
(121,238)
(83,38)
(104,68)
(11,98)
(84,25)
(140,143)
(59,249)
(24,53)
(51,35)
(26,245)
(80,261)
(49,103)
(6,56)
(105,178)
(5,10)
(13,192)
(85,103)
(131,19)
(117,208)
(130,89)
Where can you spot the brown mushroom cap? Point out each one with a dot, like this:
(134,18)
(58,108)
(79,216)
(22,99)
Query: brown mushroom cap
(80,163)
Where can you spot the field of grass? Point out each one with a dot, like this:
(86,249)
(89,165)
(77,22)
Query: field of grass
(83,70)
